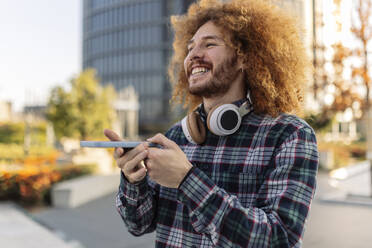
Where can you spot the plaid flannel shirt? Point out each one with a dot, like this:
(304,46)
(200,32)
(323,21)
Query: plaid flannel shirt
(249,189)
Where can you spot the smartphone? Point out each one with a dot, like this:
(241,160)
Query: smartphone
(109,144)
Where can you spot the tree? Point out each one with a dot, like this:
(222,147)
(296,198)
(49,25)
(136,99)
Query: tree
(342,95)
(85,110)
(321,118)
(320,75)
(345,94)
(362,30)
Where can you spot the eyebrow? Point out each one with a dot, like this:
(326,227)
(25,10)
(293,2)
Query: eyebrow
(208,37)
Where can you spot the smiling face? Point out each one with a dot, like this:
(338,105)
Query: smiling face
(211,66)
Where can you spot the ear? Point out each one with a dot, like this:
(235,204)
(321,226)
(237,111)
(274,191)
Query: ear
(240,64)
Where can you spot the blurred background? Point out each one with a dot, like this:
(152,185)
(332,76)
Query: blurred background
(71,68)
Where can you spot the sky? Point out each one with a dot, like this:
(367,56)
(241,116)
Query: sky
(40,48)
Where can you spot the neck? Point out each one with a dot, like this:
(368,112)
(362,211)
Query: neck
(210,103)
(236,92)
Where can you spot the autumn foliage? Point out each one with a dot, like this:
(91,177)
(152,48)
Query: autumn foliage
(31,184)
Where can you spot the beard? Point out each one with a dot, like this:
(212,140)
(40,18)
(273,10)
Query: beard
(221,80)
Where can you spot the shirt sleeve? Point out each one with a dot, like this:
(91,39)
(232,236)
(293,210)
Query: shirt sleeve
(136,204)
(283,200)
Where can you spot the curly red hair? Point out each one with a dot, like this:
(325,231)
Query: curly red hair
(264,36)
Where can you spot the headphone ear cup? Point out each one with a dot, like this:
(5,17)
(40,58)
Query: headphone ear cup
(224,119)
(210,127)
(196,127)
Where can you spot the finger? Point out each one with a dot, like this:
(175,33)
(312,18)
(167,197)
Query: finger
(135,163)
(130,154)
(138,175)
(118,152)
(162,140)
(111,135)
(155,153)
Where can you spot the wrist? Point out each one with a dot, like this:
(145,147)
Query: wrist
(188,172)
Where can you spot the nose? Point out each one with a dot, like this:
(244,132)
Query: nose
(195,54)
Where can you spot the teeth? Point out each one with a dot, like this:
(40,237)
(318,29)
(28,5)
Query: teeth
(199,70)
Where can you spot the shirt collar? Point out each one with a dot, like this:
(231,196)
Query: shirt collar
(202,113)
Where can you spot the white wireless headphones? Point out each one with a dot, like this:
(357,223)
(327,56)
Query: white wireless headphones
(222,120)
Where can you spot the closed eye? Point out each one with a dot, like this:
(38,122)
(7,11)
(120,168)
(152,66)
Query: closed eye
(210,44)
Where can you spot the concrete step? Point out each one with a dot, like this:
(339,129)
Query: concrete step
(75,192)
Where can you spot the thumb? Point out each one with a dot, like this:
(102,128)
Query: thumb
(162,140)
(111,135)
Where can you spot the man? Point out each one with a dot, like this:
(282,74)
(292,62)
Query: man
(239,170)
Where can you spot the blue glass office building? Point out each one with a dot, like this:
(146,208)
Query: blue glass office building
(129,42)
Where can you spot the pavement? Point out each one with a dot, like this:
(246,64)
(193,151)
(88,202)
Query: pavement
(97,224)
(340,223)
(17,229)
(353,184)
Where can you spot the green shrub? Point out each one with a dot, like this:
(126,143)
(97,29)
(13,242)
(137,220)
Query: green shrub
(12,133)
(13,153)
